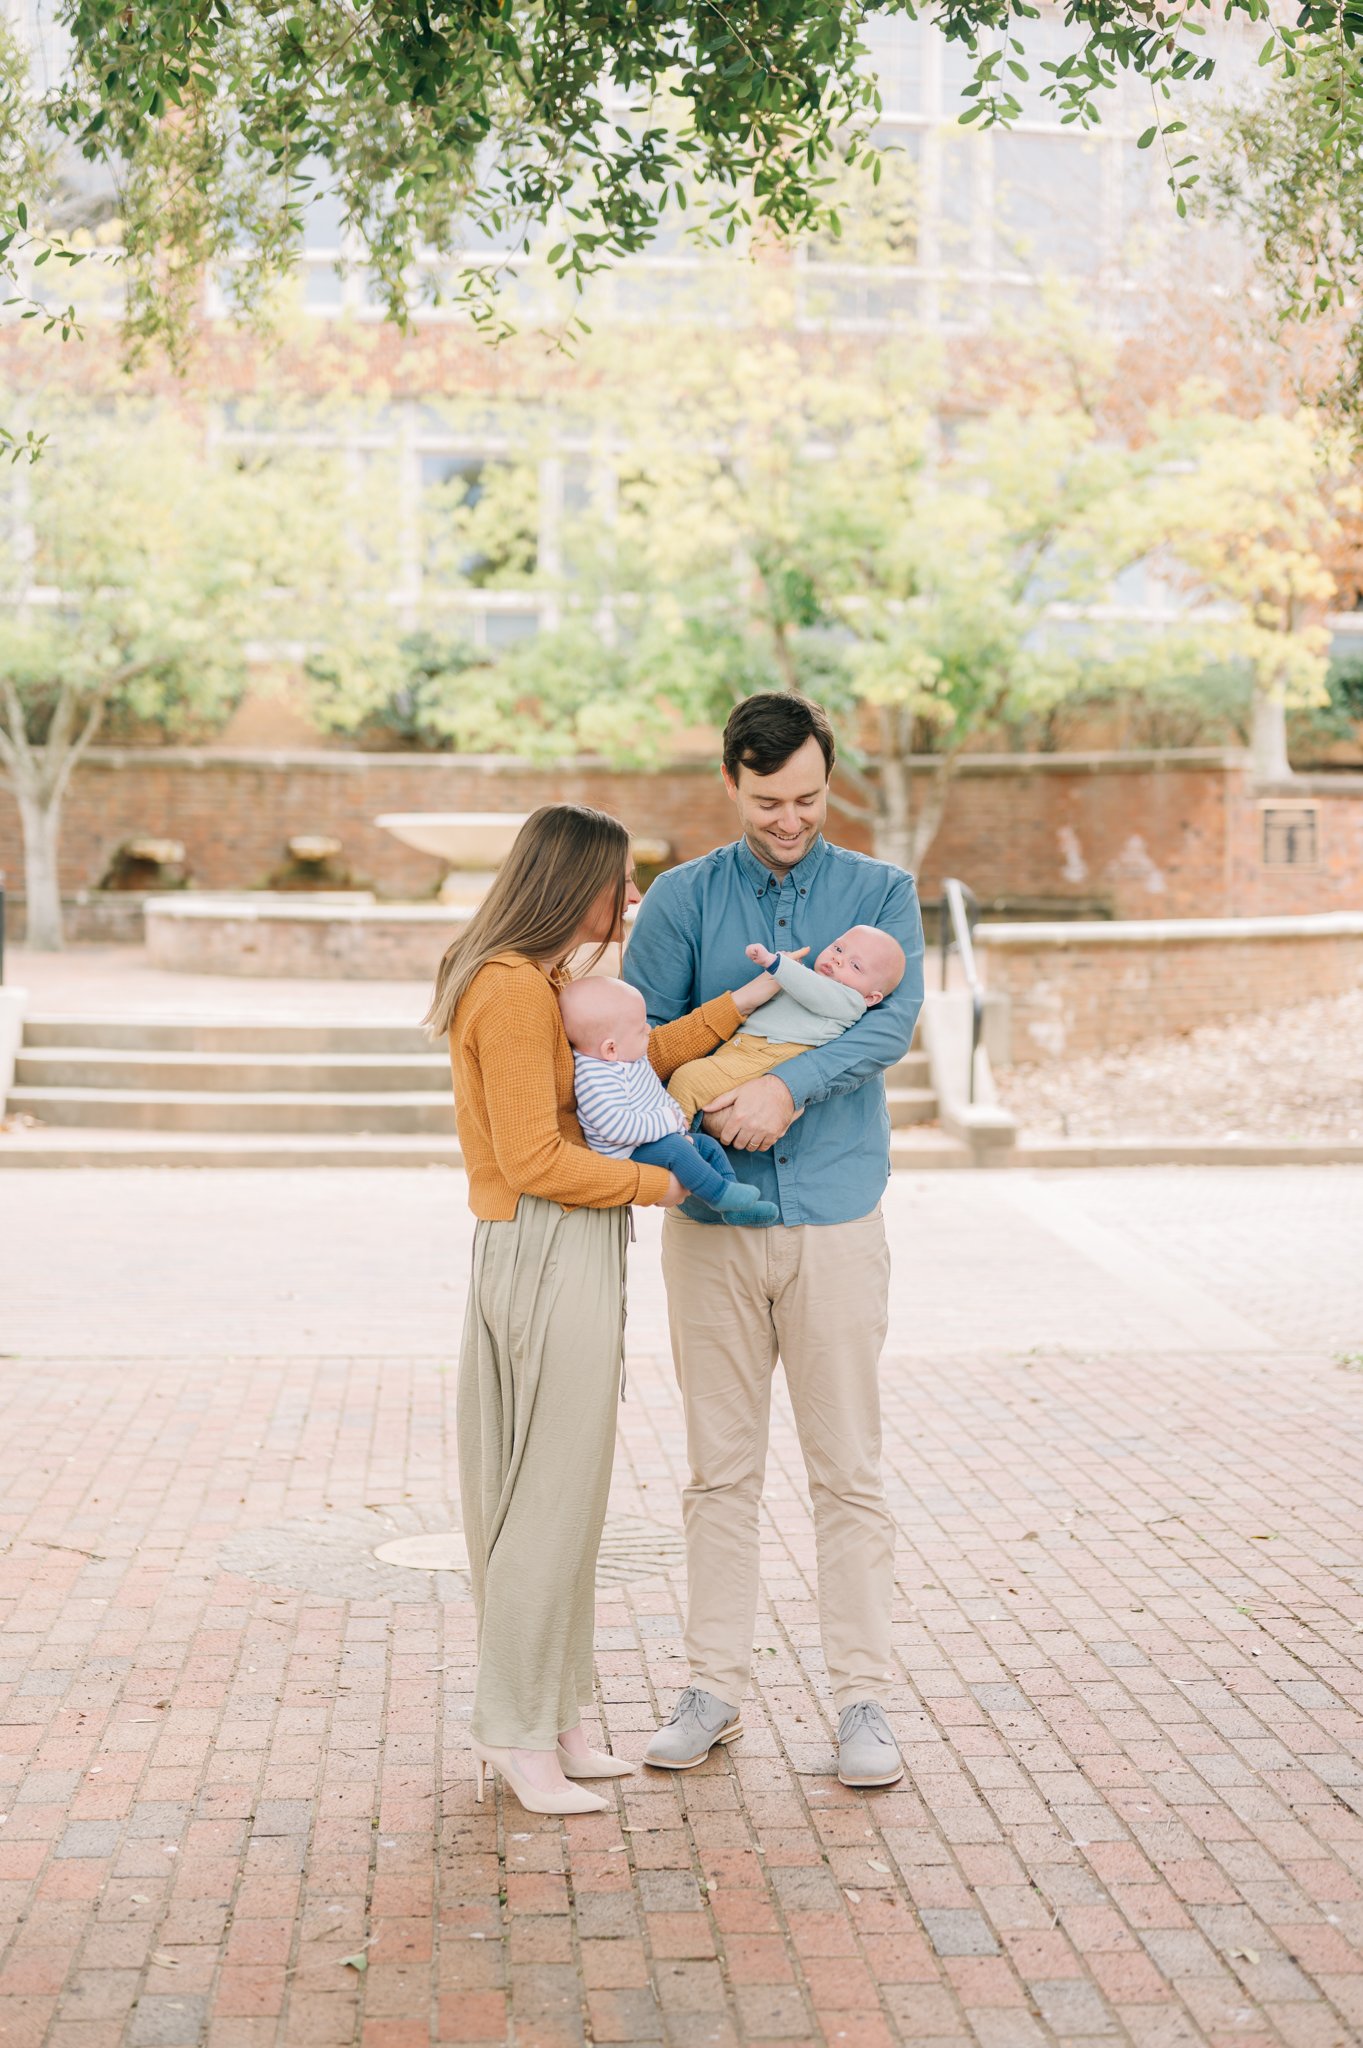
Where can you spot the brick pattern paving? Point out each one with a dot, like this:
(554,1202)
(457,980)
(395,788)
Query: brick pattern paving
(1130,1641)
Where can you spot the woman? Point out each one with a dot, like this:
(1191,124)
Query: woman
(540,1367)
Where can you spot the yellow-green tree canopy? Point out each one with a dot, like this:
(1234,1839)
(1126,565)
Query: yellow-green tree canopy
(445,127)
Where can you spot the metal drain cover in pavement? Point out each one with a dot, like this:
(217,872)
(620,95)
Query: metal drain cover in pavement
(444,1553)
(335,1552)
(631,1548)
(416,1553)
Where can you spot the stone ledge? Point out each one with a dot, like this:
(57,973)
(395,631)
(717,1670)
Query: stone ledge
(1331,924)
(1061,1152)
(271,909)
(357,761)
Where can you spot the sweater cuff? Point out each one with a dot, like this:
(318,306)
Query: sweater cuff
(723,1015)
(653,1186)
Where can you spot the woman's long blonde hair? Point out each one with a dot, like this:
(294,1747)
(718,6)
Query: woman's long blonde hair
(563,857)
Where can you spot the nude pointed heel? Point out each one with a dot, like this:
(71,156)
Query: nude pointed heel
(530,1796)
(594,1765)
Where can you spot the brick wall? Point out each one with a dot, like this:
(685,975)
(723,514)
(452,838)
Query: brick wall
(1131,835)
(1087,988)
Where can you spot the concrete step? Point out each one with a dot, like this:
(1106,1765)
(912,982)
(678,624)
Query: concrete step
(912,1072)
(95,1147)
(399,1112)
(339,1040)
(250,1073)
(292,1038)
(910,1151)
(932,1148)
(910,1106)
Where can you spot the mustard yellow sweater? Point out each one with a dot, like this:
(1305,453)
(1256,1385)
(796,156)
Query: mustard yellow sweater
(513,1093)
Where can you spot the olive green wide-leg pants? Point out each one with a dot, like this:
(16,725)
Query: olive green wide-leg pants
(539,1382)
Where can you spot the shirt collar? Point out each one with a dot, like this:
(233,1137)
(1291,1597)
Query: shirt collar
(759,875)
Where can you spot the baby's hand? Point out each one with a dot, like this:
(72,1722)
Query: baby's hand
(762,957)
(762,987)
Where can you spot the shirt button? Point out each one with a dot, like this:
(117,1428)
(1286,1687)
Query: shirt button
(782,1160)
(780,920)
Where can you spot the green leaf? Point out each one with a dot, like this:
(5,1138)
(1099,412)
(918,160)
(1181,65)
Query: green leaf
(359,1962)
(1144,141)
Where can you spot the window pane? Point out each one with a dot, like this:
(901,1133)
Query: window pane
(960,155)
(504,629)
(895,55)
(323,287)
(1047,204)
(1046,41)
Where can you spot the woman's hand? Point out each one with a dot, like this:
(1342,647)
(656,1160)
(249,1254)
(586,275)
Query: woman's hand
(676,1193)
(763,987)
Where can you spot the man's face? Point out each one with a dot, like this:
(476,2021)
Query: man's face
(781,815)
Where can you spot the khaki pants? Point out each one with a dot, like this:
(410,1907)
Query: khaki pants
(817,1296)
(742,1059)
(539,1389)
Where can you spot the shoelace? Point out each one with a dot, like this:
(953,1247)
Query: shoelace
(688,1703)
(865,1714)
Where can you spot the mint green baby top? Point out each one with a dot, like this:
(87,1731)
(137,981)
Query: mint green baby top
(810,1009)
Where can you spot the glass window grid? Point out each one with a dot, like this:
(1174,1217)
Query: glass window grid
(487,618)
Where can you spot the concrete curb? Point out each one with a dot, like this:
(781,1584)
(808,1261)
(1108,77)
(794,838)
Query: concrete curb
(1187,1152)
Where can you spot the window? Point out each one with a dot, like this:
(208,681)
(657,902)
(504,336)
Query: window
(1289,835)
(1048,210)
(894,47)
(479,518)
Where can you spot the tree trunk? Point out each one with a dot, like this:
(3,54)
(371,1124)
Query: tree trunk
(42,831)
(910,809)
(1268,739)
(894,833)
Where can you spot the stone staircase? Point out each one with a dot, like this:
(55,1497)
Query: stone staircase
(150,1092)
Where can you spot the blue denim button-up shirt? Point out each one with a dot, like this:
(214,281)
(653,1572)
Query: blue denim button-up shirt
(687,946)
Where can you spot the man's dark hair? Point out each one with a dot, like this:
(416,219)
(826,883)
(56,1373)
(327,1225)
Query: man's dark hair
(764,731)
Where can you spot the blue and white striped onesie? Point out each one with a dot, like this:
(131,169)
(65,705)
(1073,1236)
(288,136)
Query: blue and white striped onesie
(621,1104)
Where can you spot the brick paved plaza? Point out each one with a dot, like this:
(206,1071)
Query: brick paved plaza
(1124,1430)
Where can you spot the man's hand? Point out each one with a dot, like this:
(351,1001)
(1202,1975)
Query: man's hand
(752,1116)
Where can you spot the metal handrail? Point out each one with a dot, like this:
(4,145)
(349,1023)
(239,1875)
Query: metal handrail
(960,911)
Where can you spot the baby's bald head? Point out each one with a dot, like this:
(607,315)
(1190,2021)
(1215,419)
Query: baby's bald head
(604,1018)
(866,959)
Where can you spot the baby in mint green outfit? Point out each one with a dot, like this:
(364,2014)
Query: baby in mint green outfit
(814,1004)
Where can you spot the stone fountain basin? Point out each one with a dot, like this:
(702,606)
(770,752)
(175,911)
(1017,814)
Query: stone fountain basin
(479,840)
(288,936)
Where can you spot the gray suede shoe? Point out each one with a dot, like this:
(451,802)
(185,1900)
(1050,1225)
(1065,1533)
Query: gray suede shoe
(691,1730)
(867,1751)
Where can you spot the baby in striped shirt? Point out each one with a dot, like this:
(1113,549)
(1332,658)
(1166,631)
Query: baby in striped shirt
(626,1112)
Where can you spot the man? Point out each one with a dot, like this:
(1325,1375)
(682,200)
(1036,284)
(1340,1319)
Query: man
(811,1288)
